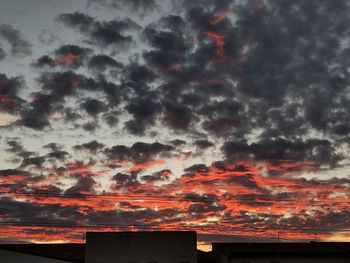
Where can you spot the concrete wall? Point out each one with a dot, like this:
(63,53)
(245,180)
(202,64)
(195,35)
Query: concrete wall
(141,247)
(14,257)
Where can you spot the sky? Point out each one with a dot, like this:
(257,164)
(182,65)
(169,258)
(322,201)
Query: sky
(230,118)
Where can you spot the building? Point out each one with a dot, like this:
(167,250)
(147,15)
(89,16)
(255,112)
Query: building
(15,257)
(73,253)
(320,252)
(171,247)
(141,247)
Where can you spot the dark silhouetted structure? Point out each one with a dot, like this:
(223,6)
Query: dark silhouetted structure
(172,247)
(141,247)
(67,252)
(320,252)
(7,256)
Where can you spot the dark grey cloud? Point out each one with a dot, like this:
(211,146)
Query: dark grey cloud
(78,20)
(135,218)
(177,116)
(319,151)
(111,118)
(159,176)
(144,112)
(102,62)
(262,72)
(139,74)
(196,168)
(2,54)
(203,144)
(45,61)
(173,22)
(56,86)
(57,155)
(207,208)
(67,56)
(100,33)
(82,186)
(14,146)
(53,146)
(177,142)
(36,213)
(9,172)
(171,41)
(36,115)
(90,126)
(93,107)
(71,55)
(141,6)
(92,146)
(170,46)
(138,152)
(33,161)
(9,93)
(19,45)
(125,180)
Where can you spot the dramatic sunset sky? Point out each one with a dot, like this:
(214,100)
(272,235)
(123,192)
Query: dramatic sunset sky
(231,118)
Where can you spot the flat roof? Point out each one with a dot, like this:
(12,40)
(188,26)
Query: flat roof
(143,233)
(312,248)
(73,252)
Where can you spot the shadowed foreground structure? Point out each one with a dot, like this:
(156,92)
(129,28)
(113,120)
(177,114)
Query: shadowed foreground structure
(138,247)
(282,252)
(178,247)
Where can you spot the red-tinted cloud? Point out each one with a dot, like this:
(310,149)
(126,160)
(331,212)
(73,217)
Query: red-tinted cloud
(239,198)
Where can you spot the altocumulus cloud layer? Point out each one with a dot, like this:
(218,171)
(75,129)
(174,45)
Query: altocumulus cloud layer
(225,117)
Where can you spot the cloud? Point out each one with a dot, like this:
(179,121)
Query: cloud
(10,102)
(133,5)
(78,20)
(318,151)
(102,62)
(177,142)
(177,116)
(159,176)
(53,146)
(138,152)
(93,106)
(71,56)
(82,186)
(14,146)
(19,46)
(125,180)
(203,144)
(45,61)
(33,161)
(56,86)
(2,54)
(144,112)
(58,155)
(249,201)
(66,56)
(258,88)
(12,172)
(92,146)
(101,33)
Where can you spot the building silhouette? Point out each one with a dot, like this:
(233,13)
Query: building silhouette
(141,247)
(318,252)
(171,247)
